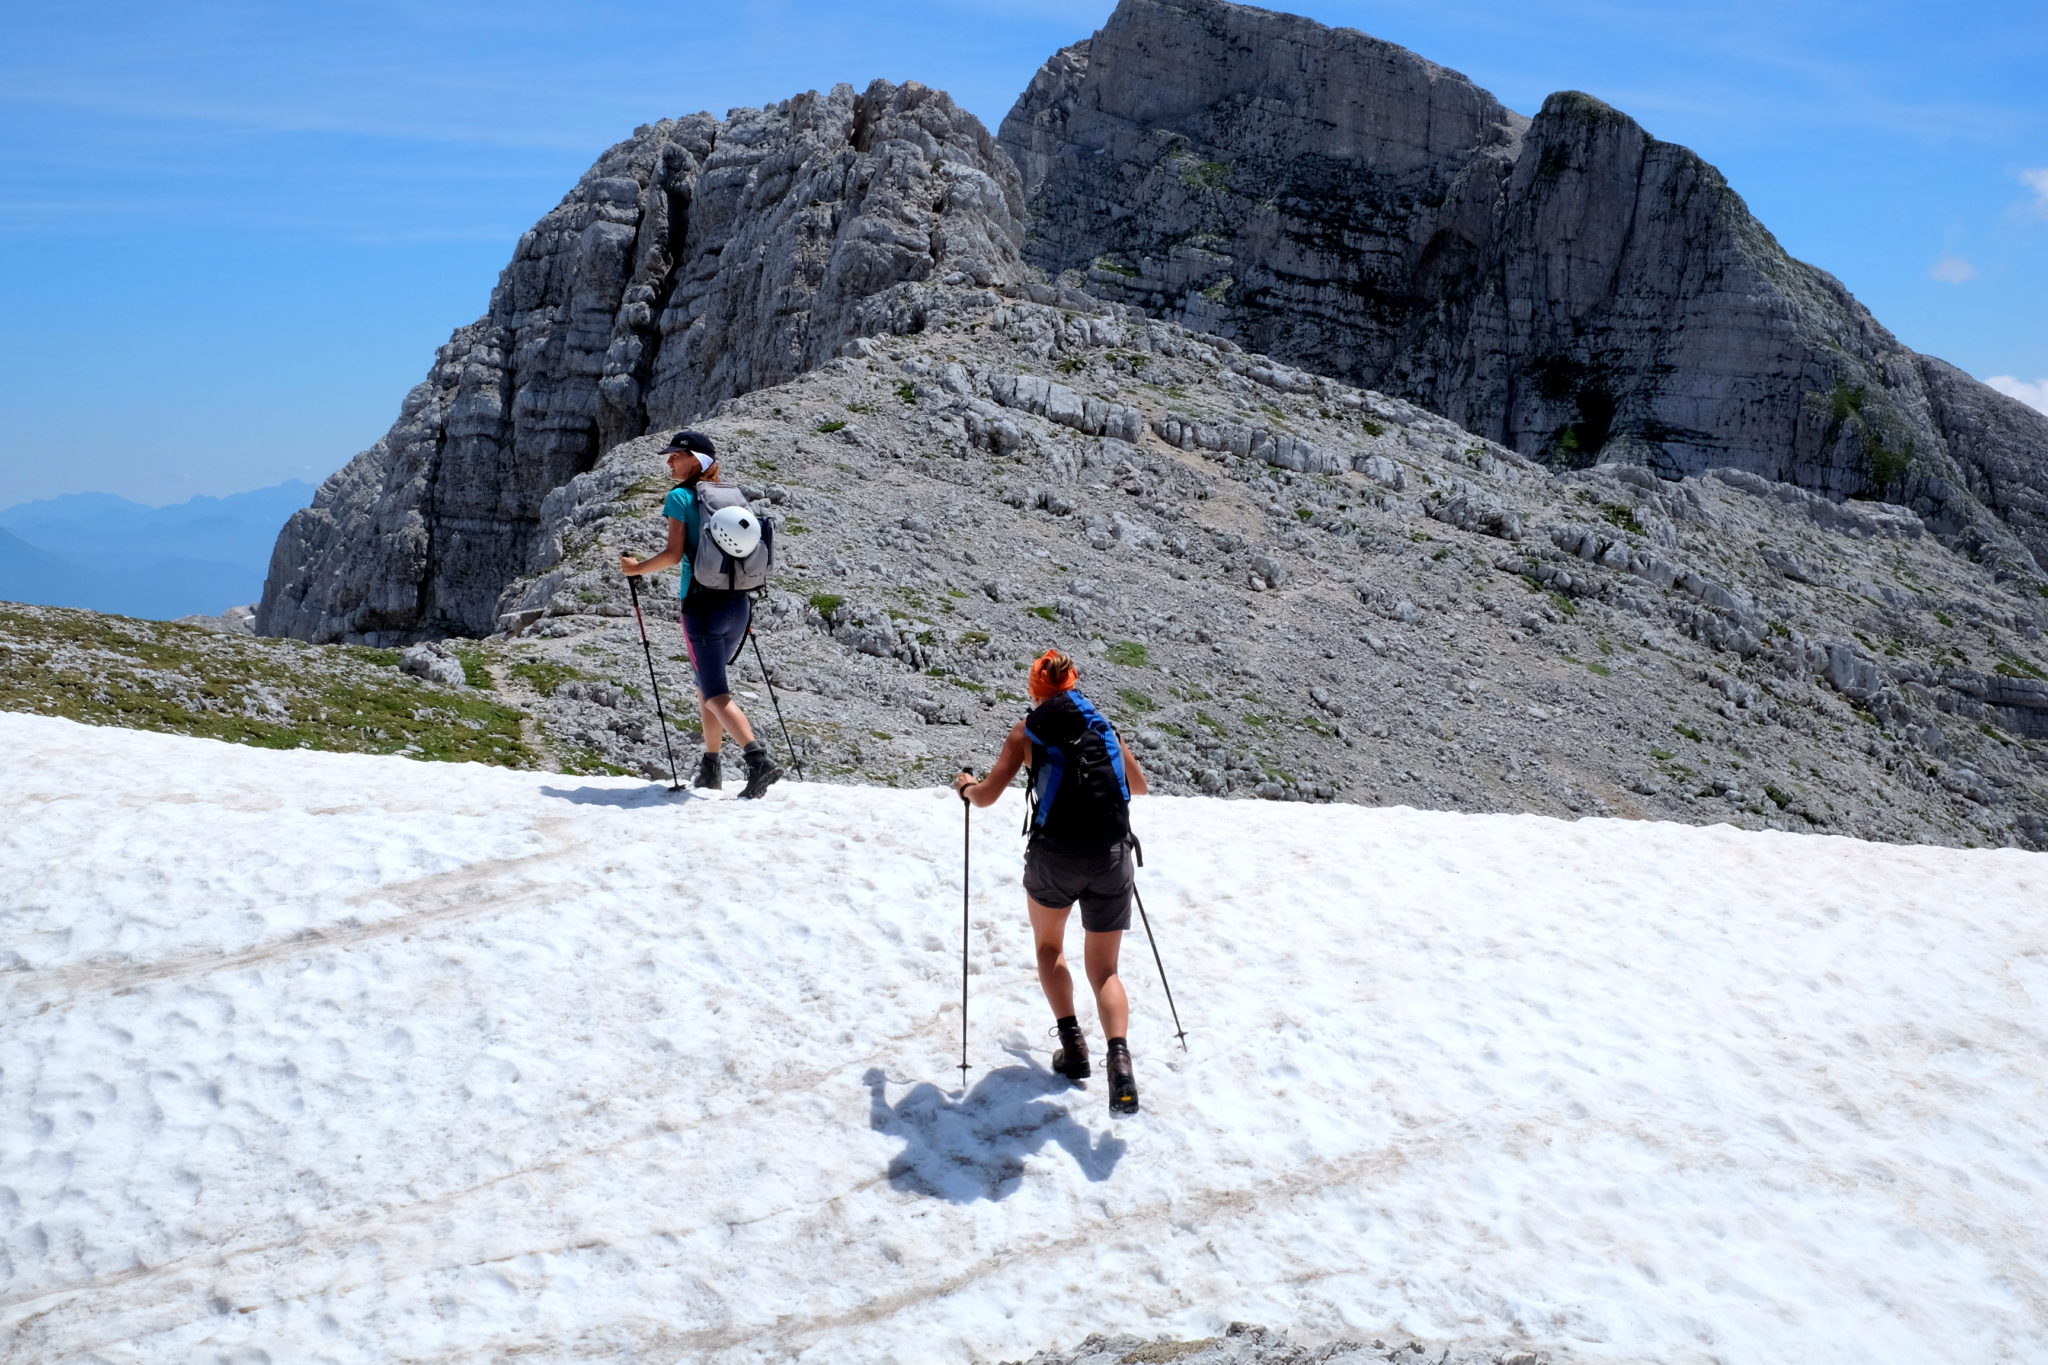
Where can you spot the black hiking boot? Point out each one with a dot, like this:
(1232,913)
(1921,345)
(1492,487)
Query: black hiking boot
(762,773)
(1071,1057)
(1123,1081)
(709,774)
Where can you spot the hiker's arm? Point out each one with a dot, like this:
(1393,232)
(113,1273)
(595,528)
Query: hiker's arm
(667,559)
(986,792)
(1134,772)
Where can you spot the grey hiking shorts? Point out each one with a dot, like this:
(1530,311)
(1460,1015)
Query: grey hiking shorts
(1101,881)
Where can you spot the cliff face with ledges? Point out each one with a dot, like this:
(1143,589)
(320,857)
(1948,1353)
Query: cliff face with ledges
(1569,286)
(697,260)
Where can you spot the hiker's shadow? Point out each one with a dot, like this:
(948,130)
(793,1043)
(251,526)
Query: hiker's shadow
(974,1147)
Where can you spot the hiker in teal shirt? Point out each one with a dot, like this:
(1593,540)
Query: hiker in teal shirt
(715,621)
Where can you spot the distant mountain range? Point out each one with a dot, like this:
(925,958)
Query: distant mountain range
(107,553)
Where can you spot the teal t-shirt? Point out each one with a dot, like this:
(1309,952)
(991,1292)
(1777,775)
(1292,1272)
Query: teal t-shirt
(681,505)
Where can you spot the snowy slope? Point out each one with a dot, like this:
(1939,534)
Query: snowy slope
(344,1058)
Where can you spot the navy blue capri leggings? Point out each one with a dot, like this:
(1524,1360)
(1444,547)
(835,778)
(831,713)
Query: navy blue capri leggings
(714,631)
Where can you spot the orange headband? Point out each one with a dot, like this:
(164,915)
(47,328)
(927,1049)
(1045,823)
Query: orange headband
(1053,672)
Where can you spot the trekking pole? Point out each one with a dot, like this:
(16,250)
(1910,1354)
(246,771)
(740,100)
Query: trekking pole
(648,650)
(1179,1032)
(756,642)
(966,865)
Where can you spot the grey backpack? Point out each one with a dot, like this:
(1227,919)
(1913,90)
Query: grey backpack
(713,567)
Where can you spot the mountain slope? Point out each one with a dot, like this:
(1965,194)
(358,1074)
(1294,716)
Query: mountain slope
(1284,587)
(452,1063)
(1568,286)
(201,556)
(31,574)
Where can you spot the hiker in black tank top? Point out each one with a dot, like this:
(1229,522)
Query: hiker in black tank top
(1082,779)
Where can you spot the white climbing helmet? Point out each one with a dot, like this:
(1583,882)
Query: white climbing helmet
(735,530)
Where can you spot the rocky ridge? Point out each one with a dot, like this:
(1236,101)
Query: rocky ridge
(1568,285)
(698,259)
(1285,587)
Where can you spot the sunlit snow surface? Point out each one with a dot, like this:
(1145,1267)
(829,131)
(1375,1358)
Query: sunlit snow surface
(357,1059)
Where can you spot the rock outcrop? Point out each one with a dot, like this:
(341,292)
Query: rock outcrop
(1568,286)
(697,260)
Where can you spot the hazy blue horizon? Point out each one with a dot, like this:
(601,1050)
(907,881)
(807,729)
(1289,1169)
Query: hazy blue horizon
(236,234)
(196,557)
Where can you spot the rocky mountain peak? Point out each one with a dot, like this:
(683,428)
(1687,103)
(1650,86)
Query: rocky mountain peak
(1569,286)
(697,260)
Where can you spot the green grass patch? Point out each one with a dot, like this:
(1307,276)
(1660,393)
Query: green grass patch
(1622,516)
(1129,653)
(1662,755)
(474,670)
(1044,613)
(827,428)
(172,679)
(2013,666)
(825,603)
(544,674)
(1136,701)
(1690,733)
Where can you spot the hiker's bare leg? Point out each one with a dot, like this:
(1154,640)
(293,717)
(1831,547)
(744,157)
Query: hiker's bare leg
(723,715)
(1049,927)
(1099,954)
(714,733)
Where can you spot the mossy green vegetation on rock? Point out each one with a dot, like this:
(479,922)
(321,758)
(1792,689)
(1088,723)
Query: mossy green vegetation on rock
(274,694)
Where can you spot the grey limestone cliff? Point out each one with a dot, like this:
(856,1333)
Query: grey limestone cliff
(697,260)
(1568,286)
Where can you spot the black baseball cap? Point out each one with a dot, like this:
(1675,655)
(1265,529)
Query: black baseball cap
(696,442)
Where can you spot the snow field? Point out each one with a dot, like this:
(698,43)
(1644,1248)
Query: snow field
(310,1057)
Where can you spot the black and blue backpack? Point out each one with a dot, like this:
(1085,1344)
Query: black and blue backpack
(1079,797)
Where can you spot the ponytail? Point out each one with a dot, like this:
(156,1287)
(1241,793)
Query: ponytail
(1052,674)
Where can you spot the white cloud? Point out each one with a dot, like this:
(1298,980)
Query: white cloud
(1953,270)
(2037,181)
(2032,392)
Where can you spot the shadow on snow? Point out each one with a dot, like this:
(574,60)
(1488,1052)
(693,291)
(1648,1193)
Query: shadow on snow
(974,1147)
(627,797)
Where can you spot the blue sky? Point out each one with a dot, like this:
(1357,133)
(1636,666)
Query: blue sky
(234,233)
